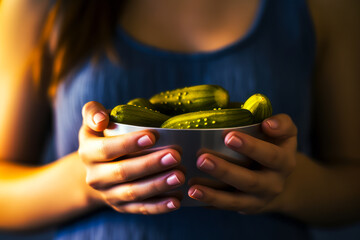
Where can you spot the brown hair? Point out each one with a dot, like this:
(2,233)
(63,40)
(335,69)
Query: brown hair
(84,28)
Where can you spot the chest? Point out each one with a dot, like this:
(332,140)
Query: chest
(188,26)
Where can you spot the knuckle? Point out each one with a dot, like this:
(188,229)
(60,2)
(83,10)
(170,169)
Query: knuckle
(252,182)
(157,186)
(143,209)
(104,150)
(120,173)
(158,208)
(276,188)
(126,146)
(129,194)
(275,156)
(149,164)
(223,173)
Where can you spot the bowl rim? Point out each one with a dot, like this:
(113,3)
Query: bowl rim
(190,129)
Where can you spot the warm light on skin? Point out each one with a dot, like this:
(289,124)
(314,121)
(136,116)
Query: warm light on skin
(17,23)
(11,64)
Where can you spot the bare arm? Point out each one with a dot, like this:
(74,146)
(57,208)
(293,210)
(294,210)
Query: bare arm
(23,114)
(329,191)
(30,196)
(33,197)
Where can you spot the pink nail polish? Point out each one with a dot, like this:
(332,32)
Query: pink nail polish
(98,117)
(234,142)
(272,124)
(168,160)
(144,141)
(170,205)
(173,180)
(207,164)
(197,194)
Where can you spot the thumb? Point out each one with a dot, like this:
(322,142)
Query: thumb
(279,126)
(95,116)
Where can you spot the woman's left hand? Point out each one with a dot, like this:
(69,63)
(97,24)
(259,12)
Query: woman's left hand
(256,190)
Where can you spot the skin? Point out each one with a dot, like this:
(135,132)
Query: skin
(288,182)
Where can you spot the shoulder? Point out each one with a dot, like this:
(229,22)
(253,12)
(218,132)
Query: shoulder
(20,24)
(14,9)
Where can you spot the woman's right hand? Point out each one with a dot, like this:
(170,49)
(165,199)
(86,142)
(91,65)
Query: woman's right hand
(129,184)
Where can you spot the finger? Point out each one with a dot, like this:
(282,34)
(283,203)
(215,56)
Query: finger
(100,149)
(245,162)
(241,178)
(95,116)
(145,188)
(152,206)
(235,201)
(154,149)
(107,174)
(282,128)
(265,153)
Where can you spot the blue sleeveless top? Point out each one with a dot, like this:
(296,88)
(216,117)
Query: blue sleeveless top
(275,58)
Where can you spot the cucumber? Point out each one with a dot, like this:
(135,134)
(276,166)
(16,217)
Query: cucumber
(191,99)
(222,118)
(138,116)
(259,105)
(141,102)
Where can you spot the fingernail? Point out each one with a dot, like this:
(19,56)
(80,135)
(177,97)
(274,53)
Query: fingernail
(207,164)
(99,117)
(197,194)
(170,205)
(272,123)
(145,141)
(235,142)
(168,160)
(173,180)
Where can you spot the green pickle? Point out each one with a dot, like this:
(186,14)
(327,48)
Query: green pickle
(223,118)
(260,106)
(138,116)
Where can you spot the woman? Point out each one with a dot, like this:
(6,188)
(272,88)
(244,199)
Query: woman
(104,54)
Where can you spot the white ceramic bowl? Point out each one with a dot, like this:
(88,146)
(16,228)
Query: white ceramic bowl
(192,141)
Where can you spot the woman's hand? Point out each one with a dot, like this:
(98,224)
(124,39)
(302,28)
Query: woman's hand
(256,190)
(131,184)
